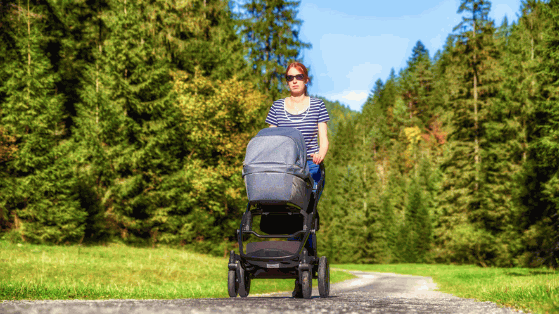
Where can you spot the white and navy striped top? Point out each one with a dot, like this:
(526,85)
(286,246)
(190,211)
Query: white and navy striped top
(306,122)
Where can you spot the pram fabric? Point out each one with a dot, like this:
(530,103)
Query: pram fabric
(275,168)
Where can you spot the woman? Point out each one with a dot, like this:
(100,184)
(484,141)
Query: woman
(309,116)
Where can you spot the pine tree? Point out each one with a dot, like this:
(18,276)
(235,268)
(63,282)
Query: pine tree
(389,92)
(40,191)
(466,182)
(7,152)
(445,84)
(540,206)
(375,247)
(199,36)
(408,234)
(82,79)
(429,179)
(506,131)
(374,113)
(419,185)
(521,64)
(336,209)
(390,228)
(474,45)
(271,32)
(416,84)
(338,113)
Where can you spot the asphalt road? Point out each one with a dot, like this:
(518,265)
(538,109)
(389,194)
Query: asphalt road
(369,293)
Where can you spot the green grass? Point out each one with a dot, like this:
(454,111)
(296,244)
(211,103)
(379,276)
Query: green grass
(31,272)
(120,272)
(535,290)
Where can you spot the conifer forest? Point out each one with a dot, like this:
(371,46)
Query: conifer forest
(127,121)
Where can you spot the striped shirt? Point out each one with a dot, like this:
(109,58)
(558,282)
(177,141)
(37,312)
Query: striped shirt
(306,122)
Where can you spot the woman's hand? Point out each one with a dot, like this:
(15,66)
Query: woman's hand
(318,157)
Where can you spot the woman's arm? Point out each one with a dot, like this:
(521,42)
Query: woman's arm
(323,138)
(273,126)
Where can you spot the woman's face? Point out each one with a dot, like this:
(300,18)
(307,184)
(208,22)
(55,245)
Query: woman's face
(295,86)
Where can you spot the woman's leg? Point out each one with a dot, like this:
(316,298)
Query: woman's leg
(316,176)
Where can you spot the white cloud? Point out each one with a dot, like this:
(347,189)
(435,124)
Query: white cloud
(355,96)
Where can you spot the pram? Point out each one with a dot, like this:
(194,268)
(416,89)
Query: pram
(282,197)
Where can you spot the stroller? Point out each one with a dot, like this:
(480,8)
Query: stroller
(282,206)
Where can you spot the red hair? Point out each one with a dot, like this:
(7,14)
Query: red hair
(301,68)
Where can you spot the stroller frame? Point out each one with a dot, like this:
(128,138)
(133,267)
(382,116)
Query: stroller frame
(300,263)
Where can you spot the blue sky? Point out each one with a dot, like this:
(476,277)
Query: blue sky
(354,43)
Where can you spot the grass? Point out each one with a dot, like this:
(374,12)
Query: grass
(39,272)
(534,290)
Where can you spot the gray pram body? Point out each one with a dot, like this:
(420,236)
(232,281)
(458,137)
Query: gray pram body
(275,168)
(281,192)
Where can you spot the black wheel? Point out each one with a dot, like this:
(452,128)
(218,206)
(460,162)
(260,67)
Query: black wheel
(323,277)
(232,285)
(244,282)
(306,284)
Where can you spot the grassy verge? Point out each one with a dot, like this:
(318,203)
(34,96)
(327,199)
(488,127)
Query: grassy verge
(535,290)
(118,272)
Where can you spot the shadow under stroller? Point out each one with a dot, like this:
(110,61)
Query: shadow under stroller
(282,205)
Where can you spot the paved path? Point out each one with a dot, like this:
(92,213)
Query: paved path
(369,293)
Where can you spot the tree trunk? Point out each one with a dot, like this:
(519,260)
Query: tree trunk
(125,69)
(476,122)
(28,55)
(97,88)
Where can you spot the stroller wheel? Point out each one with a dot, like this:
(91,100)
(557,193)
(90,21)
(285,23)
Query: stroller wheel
(243,281)
(232,285)
(323,277)
(306,284)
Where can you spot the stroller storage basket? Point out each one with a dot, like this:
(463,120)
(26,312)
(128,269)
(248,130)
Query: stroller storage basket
(273,248)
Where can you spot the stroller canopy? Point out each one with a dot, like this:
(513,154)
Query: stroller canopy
(279,150)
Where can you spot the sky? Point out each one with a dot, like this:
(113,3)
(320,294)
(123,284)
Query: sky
(354,43)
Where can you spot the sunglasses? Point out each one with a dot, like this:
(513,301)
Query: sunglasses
(299,77)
